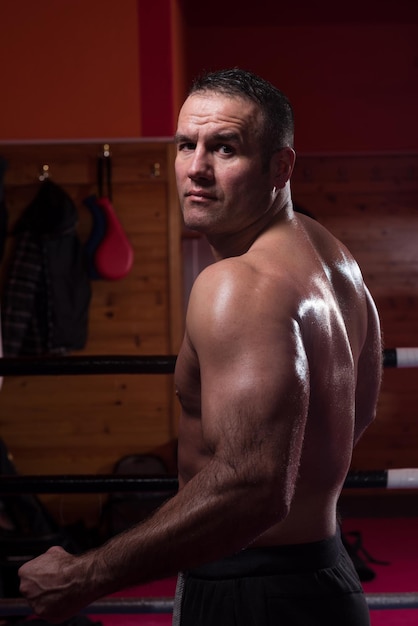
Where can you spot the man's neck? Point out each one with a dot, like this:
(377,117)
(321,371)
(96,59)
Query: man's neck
(236,244)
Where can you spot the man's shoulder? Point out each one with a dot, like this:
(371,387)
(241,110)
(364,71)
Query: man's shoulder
(246,274)
(238,291)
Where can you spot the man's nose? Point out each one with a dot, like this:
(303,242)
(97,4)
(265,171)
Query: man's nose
(200,165)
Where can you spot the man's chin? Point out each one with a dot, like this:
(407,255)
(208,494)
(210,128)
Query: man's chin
(197,224)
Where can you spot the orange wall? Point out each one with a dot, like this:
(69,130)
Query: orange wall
(69,69)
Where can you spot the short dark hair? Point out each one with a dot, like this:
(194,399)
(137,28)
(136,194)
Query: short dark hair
(278,130)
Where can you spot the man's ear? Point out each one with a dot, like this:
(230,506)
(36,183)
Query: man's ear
(282,164)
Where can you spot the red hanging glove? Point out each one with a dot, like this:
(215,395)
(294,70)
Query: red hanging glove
(114,256)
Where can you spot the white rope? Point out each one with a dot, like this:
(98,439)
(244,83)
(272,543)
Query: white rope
(406,357)
(408,600)
(405,478)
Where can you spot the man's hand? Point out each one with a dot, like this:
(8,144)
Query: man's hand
(54,584)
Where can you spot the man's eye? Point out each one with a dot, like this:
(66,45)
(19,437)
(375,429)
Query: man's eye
(224,149)
(186,146)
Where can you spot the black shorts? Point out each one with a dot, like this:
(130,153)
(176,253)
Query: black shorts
(312,584)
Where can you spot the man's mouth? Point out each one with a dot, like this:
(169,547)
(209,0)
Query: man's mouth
(196,194)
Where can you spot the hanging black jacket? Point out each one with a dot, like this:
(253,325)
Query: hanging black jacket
(47,292)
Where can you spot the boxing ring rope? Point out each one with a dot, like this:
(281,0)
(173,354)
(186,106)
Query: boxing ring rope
(122,606)
(402,478)
(115,364)
(83,365)
(400,357)
(86,483)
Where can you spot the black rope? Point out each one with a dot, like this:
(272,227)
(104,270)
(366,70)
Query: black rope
(366,479)
(82,365)
(85,483)
(390,358)
(110,364)
(107,483)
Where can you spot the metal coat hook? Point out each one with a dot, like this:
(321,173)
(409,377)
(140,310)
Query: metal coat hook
(45,173)
(104,171)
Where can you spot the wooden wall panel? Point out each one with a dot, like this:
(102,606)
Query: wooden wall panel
(83,424)
(370,202)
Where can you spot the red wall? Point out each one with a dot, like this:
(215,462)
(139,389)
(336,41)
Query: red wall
(351,71)
(161,65)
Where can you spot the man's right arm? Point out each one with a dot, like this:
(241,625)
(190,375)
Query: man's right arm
(254,407)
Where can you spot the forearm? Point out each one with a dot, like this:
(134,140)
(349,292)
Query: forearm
(213,515)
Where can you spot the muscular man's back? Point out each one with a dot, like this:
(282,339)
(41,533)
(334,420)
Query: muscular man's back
(338,304)
(294,270)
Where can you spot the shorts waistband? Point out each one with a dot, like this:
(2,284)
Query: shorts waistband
(284,559)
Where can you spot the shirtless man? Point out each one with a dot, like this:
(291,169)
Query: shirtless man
(278,376)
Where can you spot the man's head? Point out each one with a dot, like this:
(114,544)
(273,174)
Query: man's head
(233,165)
(278,129)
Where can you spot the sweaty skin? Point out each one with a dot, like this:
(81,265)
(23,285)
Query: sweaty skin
(278,344)
(277,377)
